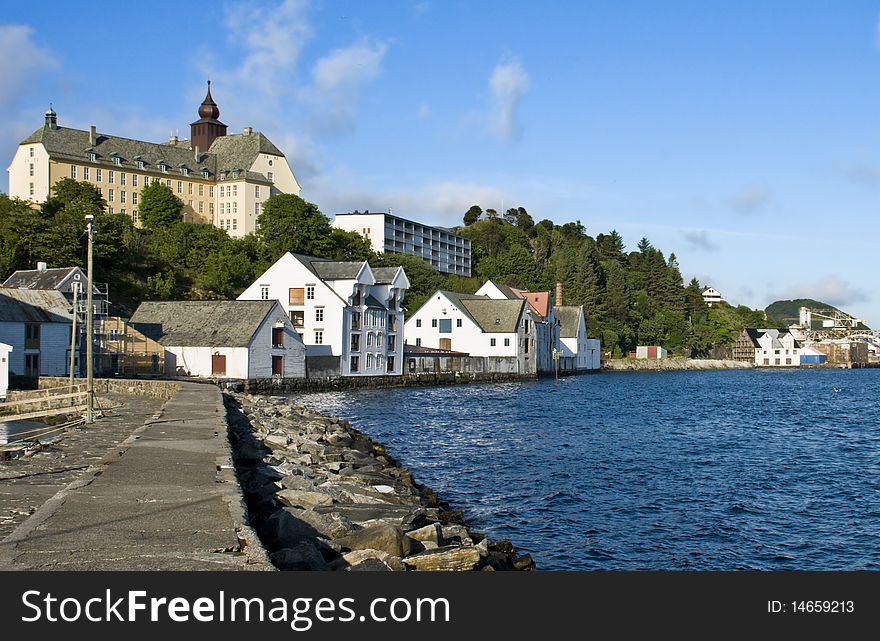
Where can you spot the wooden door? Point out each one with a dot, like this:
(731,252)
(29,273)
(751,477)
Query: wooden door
(277,366)
(218,365)
(446,343)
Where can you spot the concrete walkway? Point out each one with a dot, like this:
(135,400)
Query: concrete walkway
(166,498)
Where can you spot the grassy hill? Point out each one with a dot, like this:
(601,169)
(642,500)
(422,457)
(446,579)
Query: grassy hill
(788,311)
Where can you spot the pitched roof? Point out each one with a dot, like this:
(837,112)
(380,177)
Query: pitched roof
(385,275)
(201,323)
(43,279)
(372,301)
(495,316)
(538,301)
(227,153)
(34,306)
(337,270)
(569,320)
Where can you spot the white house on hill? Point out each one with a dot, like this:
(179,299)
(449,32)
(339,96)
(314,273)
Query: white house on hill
(349,315)
(711,296)
(223,338)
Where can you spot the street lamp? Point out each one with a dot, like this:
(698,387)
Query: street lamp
(90,382)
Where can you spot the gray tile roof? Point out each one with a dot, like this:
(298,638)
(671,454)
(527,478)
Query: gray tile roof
(201,323)
(385,275)
(227,153)
(34,306)
(53,278)
(569,320)
(337,270)
(372,301)
(490,315)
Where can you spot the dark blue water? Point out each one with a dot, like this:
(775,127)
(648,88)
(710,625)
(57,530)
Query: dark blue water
(764,470)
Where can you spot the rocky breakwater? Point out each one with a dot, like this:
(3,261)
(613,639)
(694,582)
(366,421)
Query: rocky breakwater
(323,496)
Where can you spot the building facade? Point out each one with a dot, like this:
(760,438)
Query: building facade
(447,252)
(223,339)
(711,296)
(349,315)
(37,325)
(767,348)
(475,325)
(573,341)
(223,179)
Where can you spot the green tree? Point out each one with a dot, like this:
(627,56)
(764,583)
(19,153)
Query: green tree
(290,224)
(424,280)
(20,228)
(161,286)
(523,220)
(349,245)
(472,215)
(159,208)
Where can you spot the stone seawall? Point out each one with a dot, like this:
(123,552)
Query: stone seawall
(323,496)
(672,364)
(154,388)
(292,385)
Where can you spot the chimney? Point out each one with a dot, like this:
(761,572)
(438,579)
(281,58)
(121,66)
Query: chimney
(558,294)
(93,136)
(41,266)
(248,131)
(172,139)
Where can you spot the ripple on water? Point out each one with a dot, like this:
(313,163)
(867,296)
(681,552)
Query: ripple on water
(680,470)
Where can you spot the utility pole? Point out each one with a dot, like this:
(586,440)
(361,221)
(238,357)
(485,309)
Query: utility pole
(73,330)
(90,382)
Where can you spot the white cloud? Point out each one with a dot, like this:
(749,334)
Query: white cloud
(338,80)
(424,111)
(831,289)
(20,60)
(508,84)
(749,199)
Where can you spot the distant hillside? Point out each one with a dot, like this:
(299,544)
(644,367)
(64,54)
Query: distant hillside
(788,311)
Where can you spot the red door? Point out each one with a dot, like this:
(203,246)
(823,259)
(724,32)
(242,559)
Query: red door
(652,351)
(218,365)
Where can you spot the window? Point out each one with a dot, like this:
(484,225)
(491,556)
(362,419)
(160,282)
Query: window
(185,172)
(458,322)
(355,342)
(31,150)
(134,215)
(163,168)
(491,342)
(92,156)
(271,177)
(211,191)
(72,171)
(179,186)
(356,320)
(235,223)
(234,190)
(264,292)
(117,160)
(222,191)
(110,175)
(319,337)
(201,190)
(201,207)
(32,336)
(390,364)
(122,196)
(298,318)
(109,195)
(507,342)
(445,325)
(234,206)
(121,177)
(355,363)
(310,292)
(418,322)
(146,180)
(85,173)
(97,174)
(134,198)
(109,210)
(392,345)
(140,164)
(369,339)
(295,296)
(258,209)
(371,360)
(418,342)
(378,340)
(788,361)
(168,183)
(392,323)
(433,322)
(256,191)
(319,314)
(189,187)
(278,337)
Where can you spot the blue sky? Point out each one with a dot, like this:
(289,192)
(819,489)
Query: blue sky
(745,137)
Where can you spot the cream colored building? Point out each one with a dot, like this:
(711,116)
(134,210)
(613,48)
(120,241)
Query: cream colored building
(221,179)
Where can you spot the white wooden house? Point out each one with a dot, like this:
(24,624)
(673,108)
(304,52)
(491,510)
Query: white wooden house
(223,339)
(36,323)
(573,341)
(349,315)
(4,368)
(473,324)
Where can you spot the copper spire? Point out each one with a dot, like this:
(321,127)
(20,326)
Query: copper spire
(208,108)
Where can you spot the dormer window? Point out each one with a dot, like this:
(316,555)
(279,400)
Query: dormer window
(236,173)
(184,171)
(116,159)
(163,167)
(205,174)
(92,156)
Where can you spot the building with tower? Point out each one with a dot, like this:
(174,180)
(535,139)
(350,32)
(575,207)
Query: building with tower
(223,179)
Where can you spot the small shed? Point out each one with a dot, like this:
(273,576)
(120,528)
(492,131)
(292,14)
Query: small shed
(650,352)
(4,369)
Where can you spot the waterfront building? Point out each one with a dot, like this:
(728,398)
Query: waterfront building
(223,338)
(36,323)
(650,352)
(446,251)
(474,324)
(4,368)
(541,325)
(711,296)
(573,341)
(767,348)
(223,179)
(349,315)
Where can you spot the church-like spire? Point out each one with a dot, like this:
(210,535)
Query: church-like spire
(208,108)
